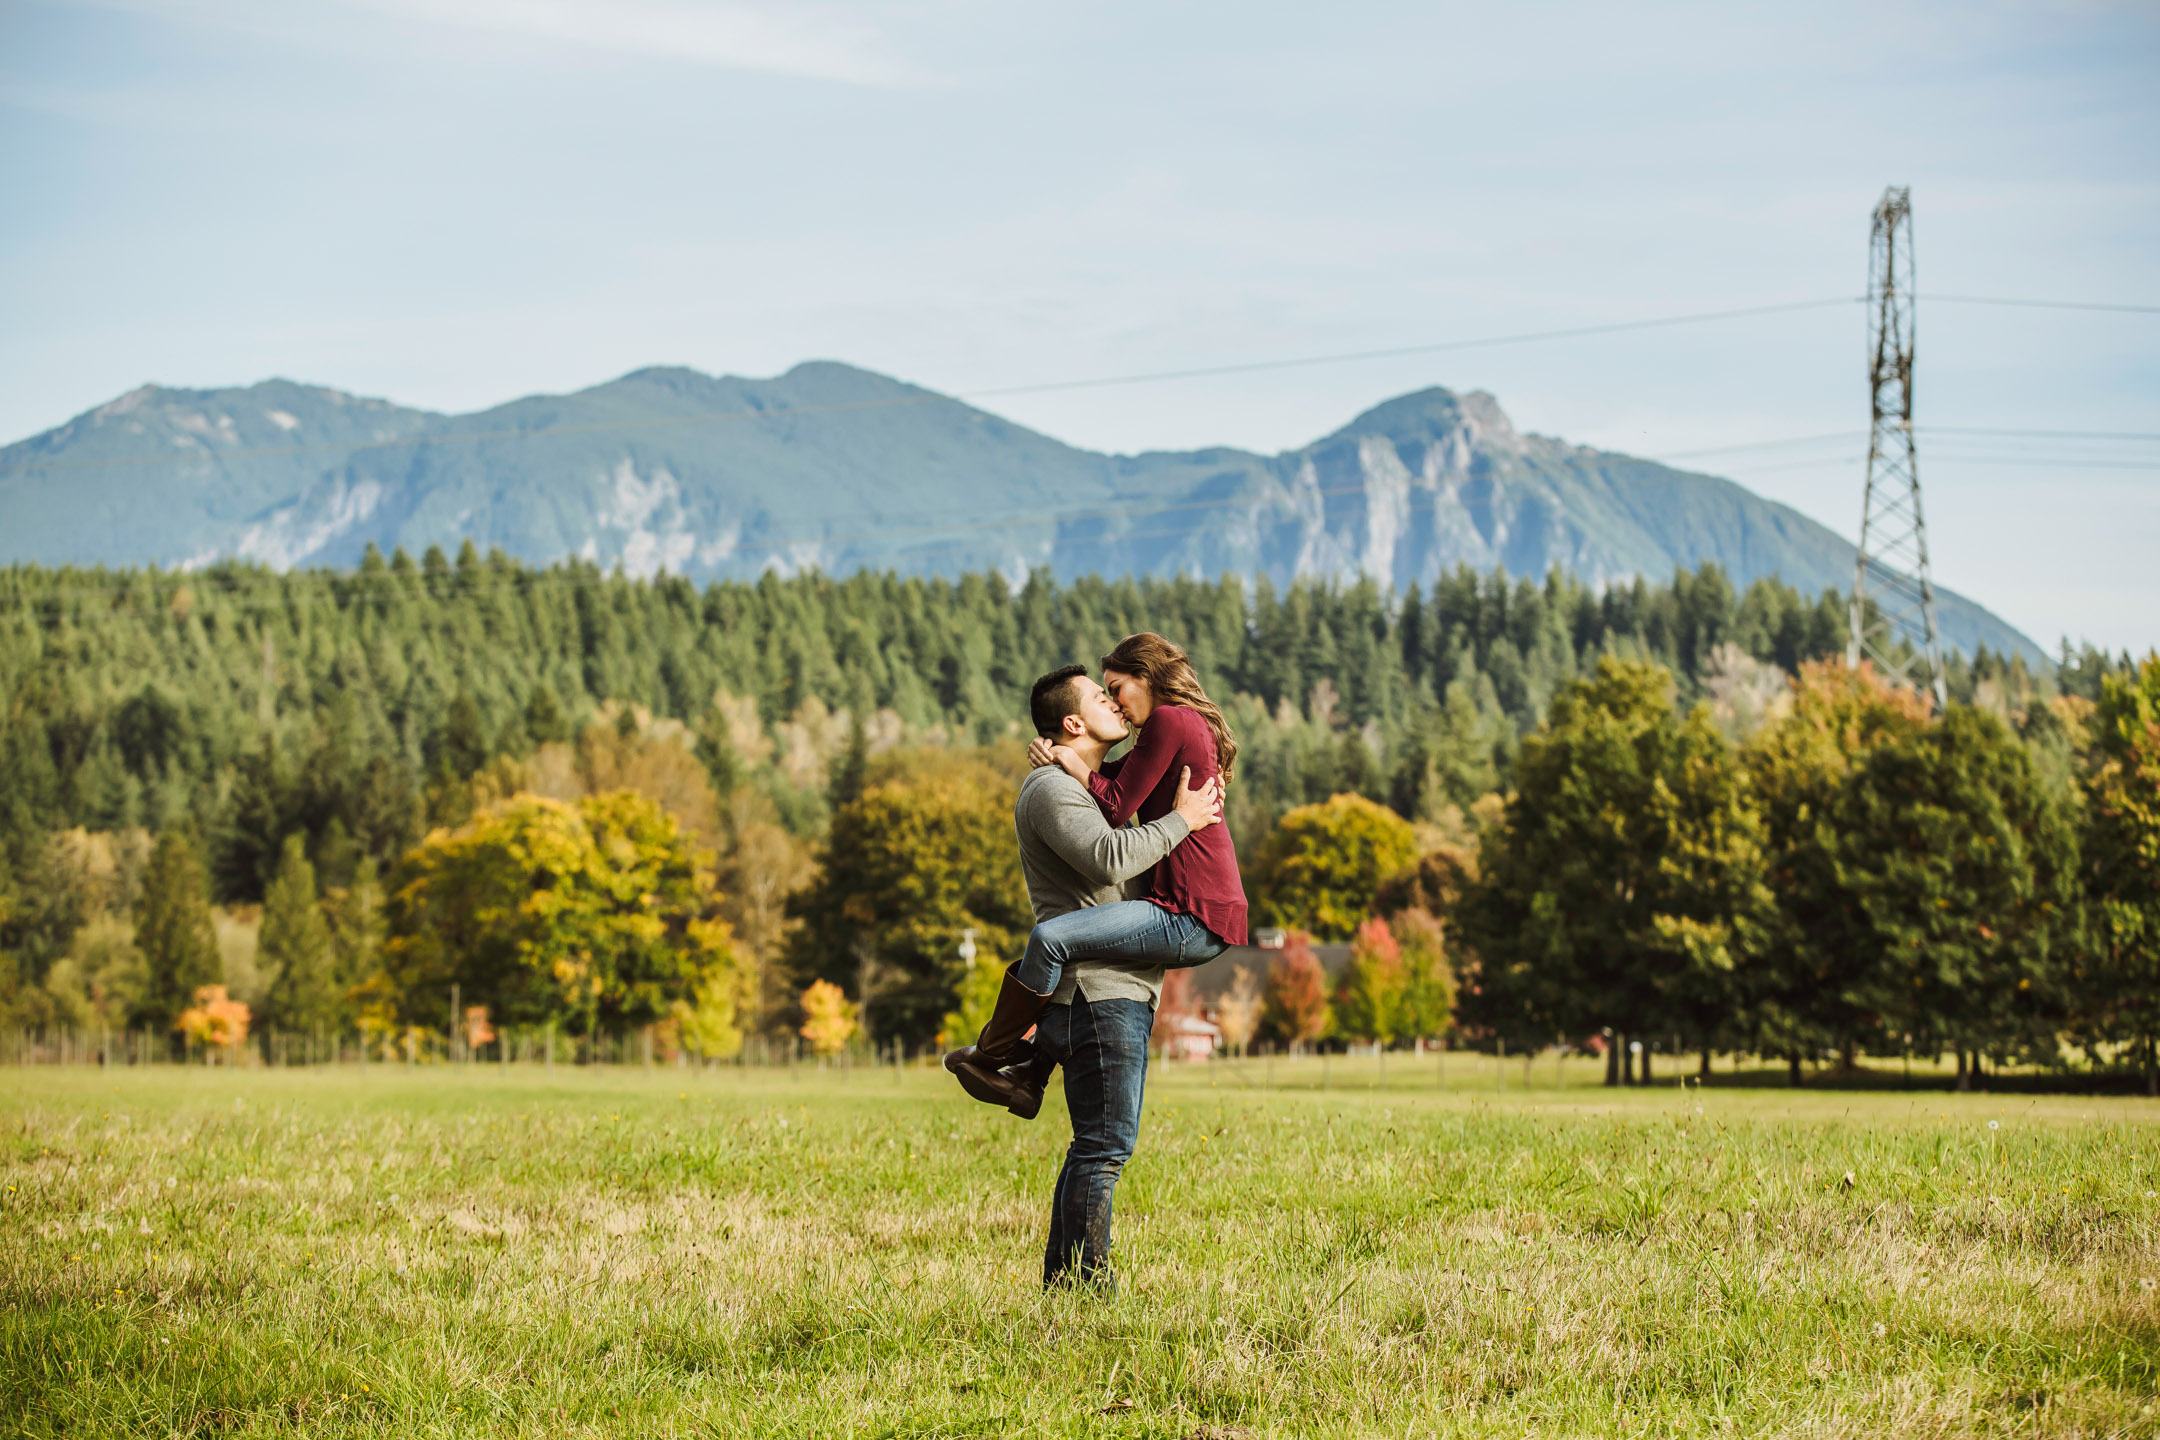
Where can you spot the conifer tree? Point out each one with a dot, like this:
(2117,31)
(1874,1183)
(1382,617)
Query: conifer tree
(174,932)
(295,944)
(847,773)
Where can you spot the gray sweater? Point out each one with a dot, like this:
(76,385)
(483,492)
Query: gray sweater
(1074,859)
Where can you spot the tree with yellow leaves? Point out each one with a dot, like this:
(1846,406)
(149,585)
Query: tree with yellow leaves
(829,1017)
(594,915)
(1323,865)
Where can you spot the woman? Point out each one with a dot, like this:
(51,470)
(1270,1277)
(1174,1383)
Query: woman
(1196,903)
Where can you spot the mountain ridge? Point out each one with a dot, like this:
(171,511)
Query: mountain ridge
(832,467)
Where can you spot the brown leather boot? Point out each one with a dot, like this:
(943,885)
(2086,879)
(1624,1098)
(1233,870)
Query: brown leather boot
(1028,1079)
(981,1067)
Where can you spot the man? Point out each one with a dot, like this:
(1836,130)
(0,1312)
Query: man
(1098,1020)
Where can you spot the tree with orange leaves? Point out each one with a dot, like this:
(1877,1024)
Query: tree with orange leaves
(215,1020)
(1369,997)
(1295,1007)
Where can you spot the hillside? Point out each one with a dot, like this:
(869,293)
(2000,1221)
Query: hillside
(839,469)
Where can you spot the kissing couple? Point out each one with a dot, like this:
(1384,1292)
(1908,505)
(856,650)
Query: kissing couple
(1131,873)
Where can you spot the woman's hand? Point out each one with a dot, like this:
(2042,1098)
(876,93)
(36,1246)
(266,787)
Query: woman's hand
(1072,763)
(1039,753)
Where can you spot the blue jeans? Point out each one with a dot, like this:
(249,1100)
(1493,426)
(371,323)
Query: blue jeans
(1138,931)
(1104,1049)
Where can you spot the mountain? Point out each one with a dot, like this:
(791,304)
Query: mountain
(836,468)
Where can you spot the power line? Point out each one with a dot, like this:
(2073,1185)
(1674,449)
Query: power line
(1043,388)
(2039,304)
(2046,434)
(1761,445)
(1923,429)
(1938,459)
(1437,347)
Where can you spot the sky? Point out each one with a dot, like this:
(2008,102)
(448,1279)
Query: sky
(450,203)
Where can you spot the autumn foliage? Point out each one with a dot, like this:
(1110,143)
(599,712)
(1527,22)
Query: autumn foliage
(594,915)
(214,1020)
(1294,1003)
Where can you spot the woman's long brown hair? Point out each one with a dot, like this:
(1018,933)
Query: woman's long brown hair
(1170,679)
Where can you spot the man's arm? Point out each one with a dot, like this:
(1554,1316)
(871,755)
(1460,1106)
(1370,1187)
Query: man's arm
(1068,818)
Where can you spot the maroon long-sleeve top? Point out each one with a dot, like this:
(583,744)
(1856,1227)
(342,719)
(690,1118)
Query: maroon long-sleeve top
(1200,877)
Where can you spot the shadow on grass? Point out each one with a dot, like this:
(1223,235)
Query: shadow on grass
(1863,1077)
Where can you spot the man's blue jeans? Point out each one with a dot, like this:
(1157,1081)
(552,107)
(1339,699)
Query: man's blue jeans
(1104,1049)
(1138,932)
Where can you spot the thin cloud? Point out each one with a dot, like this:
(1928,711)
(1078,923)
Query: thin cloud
(810,41)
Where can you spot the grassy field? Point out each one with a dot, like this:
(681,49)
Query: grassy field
(473,1251)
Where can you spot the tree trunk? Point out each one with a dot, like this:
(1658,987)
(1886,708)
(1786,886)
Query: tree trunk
(1645,1080)
(1964,1076)
(1792,1068)
(1849,1056)
(1627,1060)
(1612,1060)
(1705,1062)
(2152,1069)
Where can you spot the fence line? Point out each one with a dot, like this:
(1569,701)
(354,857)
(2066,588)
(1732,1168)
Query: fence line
(523,1046)
(529,1048)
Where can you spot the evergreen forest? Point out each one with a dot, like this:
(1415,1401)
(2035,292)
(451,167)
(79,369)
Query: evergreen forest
(291,784)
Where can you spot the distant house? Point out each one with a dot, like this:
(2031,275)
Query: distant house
(1191,1038)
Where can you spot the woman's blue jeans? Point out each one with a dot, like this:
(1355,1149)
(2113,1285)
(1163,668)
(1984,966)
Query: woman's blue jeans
(1137,932)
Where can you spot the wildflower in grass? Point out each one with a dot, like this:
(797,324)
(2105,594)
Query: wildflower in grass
(1881,1330)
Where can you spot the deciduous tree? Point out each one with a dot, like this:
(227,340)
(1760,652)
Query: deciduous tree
(1369,995)
(924,855)
(1563,915)
(1807,990)
(2119,993)
(1323,864)
(597,914)
(1295,1010)
(1961,870)
(829,1017)
(1237,1010)
(1428,1003)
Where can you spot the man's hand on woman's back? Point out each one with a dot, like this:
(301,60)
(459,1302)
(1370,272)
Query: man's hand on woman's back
(1200,807)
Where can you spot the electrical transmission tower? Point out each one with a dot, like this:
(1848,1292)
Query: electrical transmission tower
(1897,631)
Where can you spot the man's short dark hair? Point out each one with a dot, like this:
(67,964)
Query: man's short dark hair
(1053,698)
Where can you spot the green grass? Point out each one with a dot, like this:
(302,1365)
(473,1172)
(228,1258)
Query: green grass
(436,1252)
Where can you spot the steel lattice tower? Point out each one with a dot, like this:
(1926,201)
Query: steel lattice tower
(1892,568)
